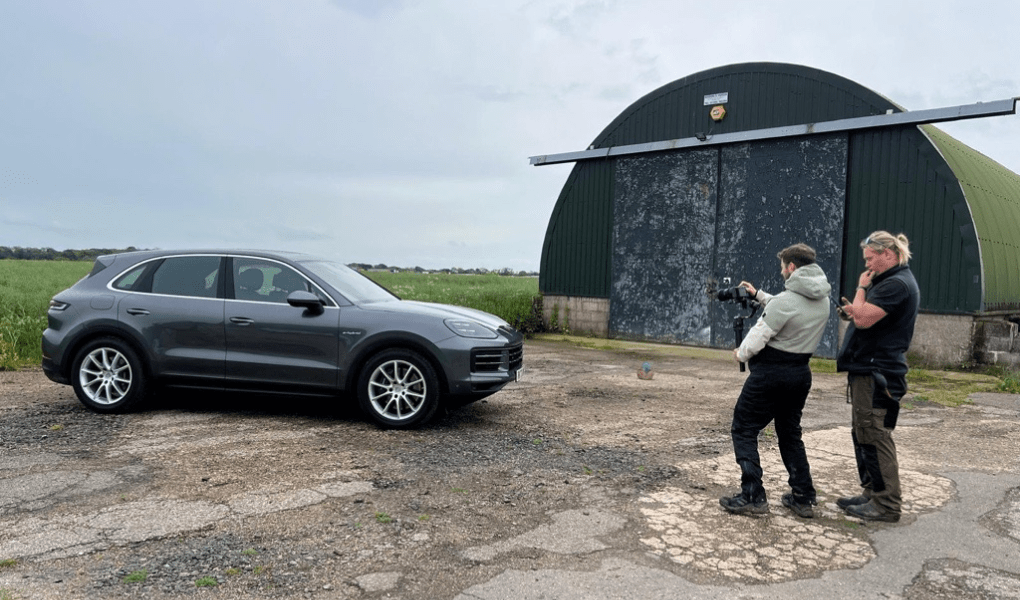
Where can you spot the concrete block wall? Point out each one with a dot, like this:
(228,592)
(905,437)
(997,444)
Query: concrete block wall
(997,342)
(578,314)
(943,340)
(957,340)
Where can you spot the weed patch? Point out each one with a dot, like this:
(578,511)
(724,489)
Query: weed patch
(136,576)
(948,388)
(1010,383)
(823,365)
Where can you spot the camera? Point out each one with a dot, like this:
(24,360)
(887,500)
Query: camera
(737,294)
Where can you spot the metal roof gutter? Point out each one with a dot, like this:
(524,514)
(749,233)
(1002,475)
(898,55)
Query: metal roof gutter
(915,117)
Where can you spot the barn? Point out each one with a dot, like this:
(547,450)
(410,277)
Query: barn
(696,186)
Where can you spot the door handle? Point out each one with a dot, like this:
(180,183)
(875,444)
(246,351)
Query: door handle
(242,321)
(137,311)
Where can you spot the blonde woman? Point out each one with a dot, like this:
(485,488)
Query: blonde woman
(882,315)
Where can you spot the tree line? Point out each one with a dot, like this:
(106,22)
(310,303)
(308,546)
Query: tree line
(449,271)
(20,253)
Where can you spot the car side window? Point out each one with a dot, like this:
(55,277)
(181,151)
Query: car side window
(128,280)
(195,276)
(266,281)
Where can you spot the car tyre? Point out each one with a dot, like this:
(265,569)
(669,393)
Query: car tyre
(107,376)
(398,389)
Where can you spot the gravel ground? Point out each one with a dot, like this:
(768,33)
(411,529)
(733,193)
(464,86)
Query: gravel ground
(218,496)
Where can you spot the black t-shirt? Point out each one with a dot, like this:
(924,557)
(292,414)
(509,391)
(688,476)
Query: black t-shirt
(883,346)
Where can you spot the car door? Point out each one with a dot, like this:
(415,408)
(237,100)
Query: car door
(272,345)
(176,306)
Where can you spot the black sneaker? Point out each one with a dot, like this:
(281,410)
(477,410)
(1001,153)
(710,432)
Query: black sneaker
(802,509)
(852,501)
(740,505)
(870,512)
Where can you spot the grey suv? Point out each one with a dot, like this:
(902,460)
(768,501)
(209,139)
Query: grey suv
(269,322)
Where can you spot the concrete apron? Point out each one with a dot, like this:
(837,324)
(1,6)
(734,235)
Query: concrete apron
(960,529)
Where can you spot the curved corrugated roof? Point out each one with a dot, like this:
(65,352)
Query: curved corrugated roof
(993,195)
(784,94)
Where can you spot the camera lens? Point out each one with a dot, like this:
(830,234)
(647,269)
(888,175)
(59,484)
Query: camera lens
(725,295)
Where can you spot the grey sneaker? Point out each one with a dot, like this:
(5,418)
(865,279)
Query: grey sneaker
(740,505)
(870,512)
(851,501)
(802,509)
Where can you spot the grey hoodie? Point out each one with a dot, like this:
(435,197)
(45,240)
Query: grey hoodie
(793,320)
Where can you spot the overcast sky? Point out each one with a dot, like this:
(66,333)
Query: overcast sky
(399,131)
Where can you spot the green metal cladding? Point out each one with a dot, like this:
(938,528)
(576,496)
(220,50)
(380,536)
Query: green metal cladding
(960,209)
(993,196)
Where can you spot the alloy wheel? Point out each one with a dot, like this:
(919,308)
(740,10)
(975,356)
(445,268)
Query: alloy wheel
(105,376)
(397,389)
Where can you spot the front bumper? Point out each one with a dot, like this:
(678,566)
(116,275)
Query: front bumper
(489,368)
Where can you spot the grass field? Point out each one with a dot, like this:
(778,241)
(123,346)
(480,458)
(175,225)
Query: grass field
(26,287)
(508,297)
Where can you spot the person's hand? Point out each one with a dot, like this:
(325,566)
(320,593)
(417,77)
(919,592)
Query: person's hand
(865,279)
(845,309)
(735,356)
(749,287)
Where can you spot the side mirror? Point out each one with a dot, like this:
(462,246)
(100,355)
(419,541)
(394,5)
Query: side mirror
(307,300)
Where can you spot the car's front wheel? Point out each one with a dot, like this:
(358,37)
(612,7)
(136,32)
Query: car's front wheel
(398,388)
(107,376)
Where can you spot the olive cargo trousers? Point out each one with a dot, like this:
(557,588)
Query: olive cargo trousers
(874,418)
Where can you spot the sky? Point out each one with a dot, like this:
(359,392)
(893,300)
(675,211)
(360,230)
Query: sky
(399,131)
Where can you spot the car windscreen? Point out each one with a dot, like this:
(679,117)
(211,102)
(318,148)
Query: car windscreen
(353,285)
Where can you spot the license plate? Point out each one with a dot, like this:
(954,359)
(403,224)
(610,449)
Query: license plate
(520,372)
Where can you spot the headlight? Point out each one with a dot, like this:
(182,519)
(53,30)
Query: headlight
(58,305)
(470,329)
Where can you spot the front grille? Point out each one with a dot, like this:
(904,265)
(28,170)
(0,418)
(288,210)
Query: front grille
(516,357)
(488,360)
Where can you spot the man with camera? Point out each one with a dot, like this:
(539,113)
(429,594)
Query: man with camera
(882,316)
(777,350)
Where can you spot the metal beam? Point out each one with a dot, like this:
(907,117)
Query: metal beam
(916,117)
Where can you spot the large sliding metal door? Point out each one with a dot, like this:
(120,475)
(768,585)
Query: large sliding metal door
(664,216)
(689,221)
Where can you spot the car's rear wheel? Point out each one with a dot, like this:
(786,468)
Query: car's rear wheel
(398,388)
(108,376)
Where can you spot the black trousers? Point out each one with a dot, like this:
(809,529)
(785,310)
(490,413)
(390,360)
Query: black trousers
(773,392)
